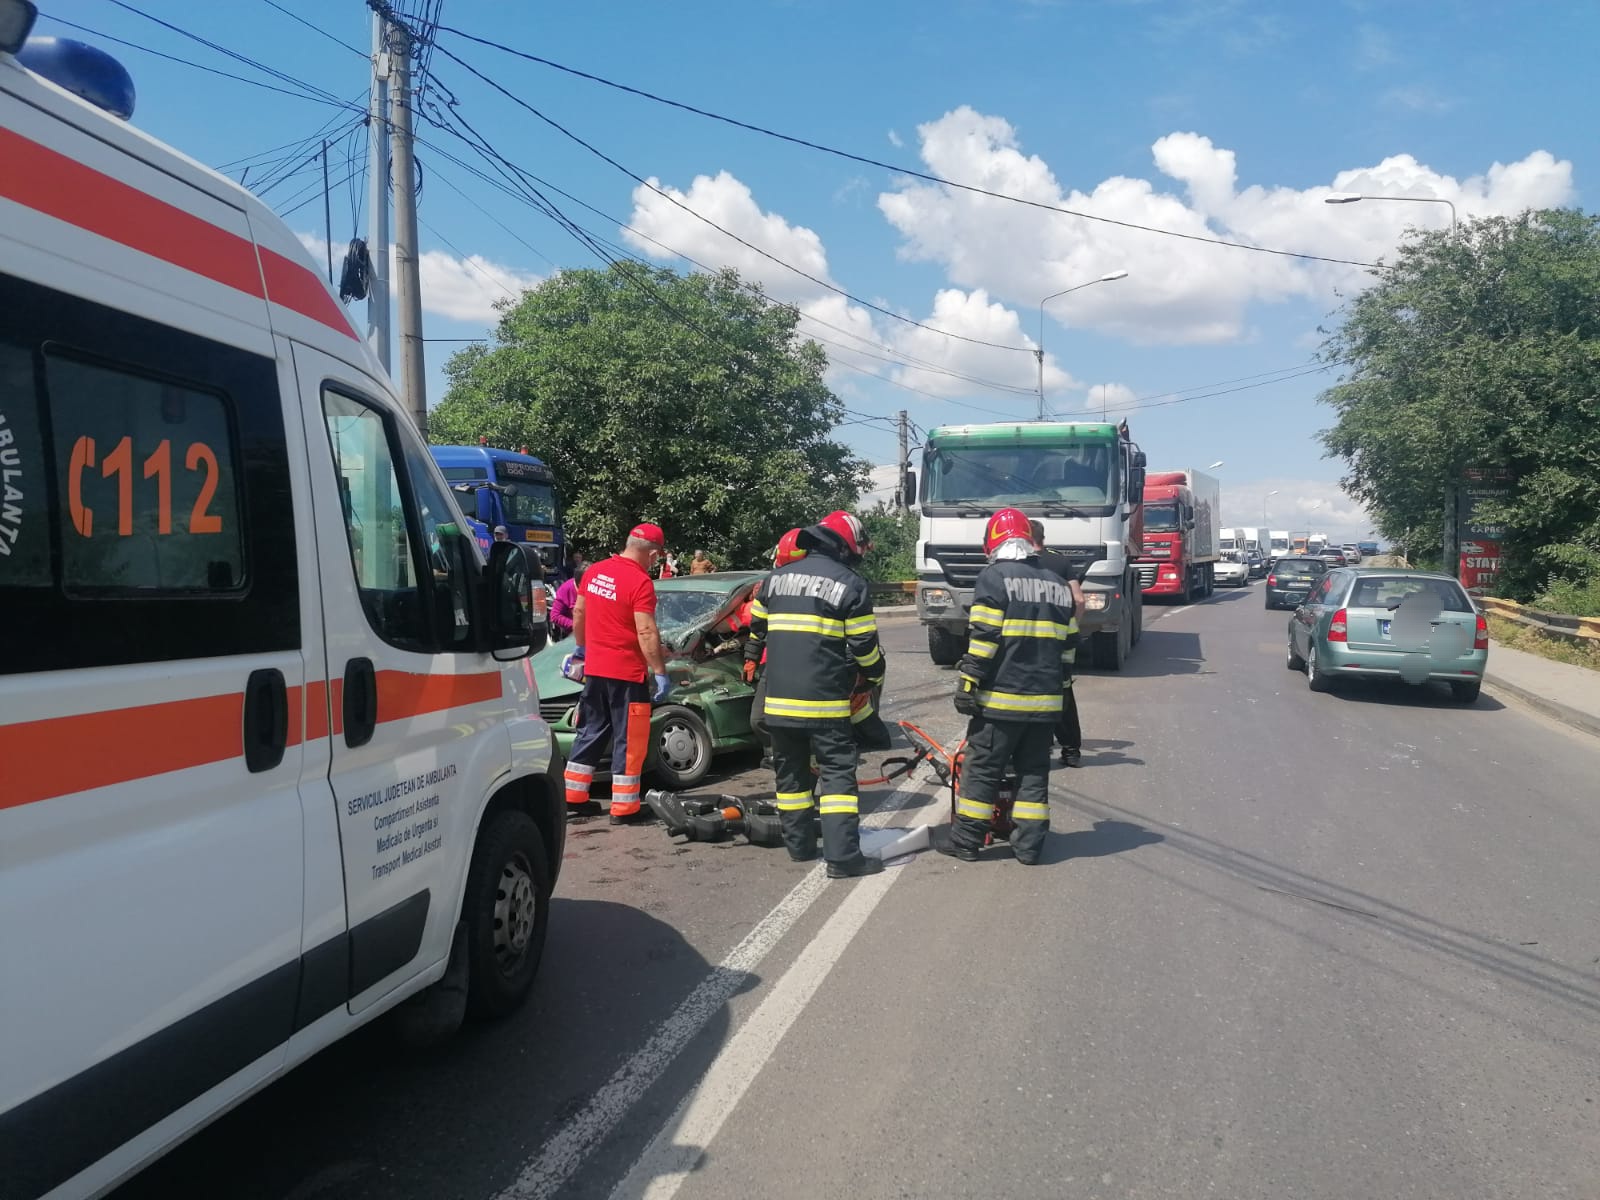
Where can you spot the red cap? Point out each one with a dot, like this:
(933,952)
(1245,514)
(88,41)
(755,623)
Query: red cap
(647,532)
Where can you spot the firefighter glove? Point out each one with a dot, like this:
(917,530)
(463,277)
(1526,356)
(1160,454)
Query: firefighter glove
(749,670)
(966,699)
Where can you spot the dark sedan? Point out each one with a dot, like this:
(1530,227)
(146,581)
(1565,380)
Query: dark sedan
(1290,580)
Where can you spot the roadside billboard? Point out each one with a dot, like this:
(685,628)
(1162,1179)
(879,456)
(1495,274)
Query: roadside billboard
(1477,539)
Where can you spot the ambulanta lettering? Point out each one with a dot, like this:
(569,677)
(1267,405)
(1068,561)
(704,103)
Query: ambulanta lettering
(11,481)
(1039,591)
(377,799)
(818,587)
(603,586)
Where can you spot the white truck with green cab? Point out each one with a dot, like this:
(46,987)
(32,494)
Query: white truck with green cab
(1083,481)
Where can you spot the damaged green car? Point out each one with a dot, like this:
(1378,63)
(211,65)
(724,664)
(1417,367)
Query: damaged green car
(707,711)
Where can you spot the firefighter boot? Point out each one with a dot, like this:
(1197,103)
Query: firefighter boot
(841,839)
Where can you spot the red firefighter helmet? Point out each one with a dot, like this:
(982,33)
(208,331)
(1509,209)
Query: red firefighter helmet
(849,528)
(1005,525)
(788,549)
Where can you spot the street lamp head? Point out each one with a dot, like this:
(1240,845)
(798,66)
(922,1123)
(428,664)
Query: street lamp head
(1112,276)
(1215,465)
(1274,491)
(1341,198)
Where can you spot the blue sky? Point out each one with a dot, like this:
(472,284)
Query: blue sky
(1218,118)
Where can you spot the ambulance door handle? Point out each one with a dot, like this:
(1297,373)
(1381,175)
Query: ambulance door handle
(360,702)
(266,719)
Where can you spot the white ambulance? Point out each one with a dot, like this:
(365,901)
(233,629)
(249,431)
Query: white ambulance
(270,754)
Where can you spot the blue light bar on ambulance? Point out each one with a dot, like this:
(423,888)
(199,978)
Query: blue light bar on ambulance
(86,71)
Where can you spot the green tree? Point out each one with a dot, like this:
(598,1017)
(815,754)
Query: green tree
(685,400)
(893,557)
(1482,349)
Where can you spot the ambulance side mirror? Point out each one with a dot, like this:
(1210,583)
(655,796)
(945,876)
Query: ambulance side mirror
(508,601)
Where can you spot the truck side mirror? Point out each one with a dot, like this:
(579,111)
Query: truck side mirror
(1136,481)
(508,607)
(908,487)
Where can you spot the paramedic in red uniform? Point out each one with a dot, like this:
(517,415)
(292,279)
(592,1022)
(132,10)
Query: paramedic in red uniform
(624,670)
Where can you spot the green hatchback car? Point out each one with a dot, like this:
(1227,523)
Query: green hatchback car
(1385,623)
(708,709)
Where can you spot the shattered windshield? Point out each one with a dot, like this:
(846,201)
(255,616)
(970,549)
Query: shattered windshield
(679,613)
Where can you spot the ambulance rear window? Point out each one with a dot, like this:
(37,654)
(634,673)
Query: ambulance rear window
(147,493)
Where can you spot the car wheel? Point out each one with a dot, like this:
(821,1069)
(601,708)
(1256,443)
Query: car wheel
(1294,662)
(680,747)
(1465,693)
(507,911)
(1315,679)
(944,647)
(1269,604)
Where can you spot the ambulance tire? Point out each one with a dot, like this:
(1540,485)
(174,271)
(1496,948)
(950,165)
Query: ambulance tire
(507,911)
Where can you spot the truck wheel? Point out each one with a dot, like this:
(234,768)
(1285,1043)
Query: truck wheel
(507,911)
(680,747)
(944,647)
(1138,614)
(1110,649)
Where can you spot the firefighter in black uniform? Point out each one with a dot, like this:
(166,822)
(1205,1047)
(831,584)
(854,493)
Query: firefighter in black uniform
(1069,731)
(814,620)
(1011,687)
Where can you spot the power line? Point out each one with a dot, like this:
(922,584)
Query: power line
(899,170)
(298,95)
(328,96)
(673,200)
(338,41)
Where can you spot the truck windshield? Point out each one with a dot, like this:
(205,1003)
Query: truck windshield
(1082,475)
(532,504)
(1162,518)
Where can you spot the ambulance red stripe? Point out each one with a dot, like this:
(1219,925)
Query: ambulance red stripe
(49,182)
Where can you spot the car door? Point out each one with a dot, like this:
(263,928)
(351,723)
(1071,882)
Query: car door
(150,814)
(1308,616)
(416,714)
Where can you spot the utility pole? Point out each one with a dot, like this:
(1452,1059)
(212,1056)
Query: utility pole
(327,212)
(407,277)
(378,195)
(905,465)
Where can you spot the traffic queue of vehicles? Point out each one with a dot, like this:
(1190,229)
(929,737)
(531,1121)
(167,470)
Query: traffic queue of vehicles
(272,766)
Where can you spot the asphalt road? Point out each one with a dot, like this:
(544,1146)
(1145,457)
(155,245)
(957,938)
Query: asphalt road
(1282,945)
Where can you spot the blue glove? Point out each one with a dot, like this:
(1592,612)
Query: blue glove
(663,685)
(572,665)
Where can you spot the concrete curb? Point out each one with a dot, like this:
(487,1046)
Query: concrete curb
(1575,718)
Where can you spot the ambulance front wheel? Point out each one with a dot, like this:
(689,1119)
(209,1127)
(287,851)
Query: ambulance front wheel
(507,912)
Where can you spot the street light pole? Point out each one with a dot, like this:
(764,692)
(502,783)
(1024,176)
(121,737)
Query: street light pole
(1264,500)
(1108,277)
(1448,550)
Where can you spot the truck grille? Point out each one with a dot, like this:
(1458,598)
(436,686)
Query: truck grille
(961,564)
(1146,573)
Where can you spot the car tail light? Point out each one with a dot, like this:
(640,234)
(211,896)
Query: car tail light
(1480,640)
(1337,630)
(1272,581)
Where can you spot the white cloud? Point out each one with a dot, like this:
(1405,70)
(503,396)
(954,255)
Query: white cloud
(1418,97)
(1177,291)
(1110,397)
(462,289)
(1301,506)
(895,140)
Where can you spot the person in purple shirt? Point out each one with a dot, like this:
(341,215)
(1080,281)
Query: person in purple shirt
(566,597)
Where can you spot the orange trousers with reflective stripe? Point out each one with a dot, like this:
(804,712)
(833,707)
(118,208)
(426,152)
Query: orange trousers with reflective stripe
(614,711)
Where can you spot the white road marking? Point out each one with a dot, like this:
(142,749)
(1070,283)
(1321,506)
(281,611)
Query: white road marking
(560,1158)
(676,1149)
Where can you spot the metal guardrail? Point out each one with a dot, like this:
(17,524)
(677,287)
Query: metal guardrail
(908,587)
(1576,629)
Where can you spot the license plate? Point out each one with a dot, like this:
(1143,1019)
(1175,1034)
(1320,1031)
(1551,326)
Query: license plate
(538,535)
(1383,628)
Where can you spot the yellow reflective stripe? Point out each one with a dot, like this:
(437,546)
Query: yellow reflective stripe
(984,614)
(976,809)
(838,804)
(862,713)
(979,648)
(1072,625)
(758,609)
(805,623)
(793,801)
(1013,702)
(1026,810)
(866,624)
(1040,629)
(870,660)
(778,706)
(972,679)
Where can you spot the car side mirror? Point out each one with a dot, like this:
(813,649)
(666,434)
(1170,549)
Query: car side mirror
(510,616)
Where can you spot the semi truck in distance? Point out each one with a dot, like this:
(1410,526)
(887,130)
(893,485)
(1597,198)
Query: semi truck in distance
(1181,546)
